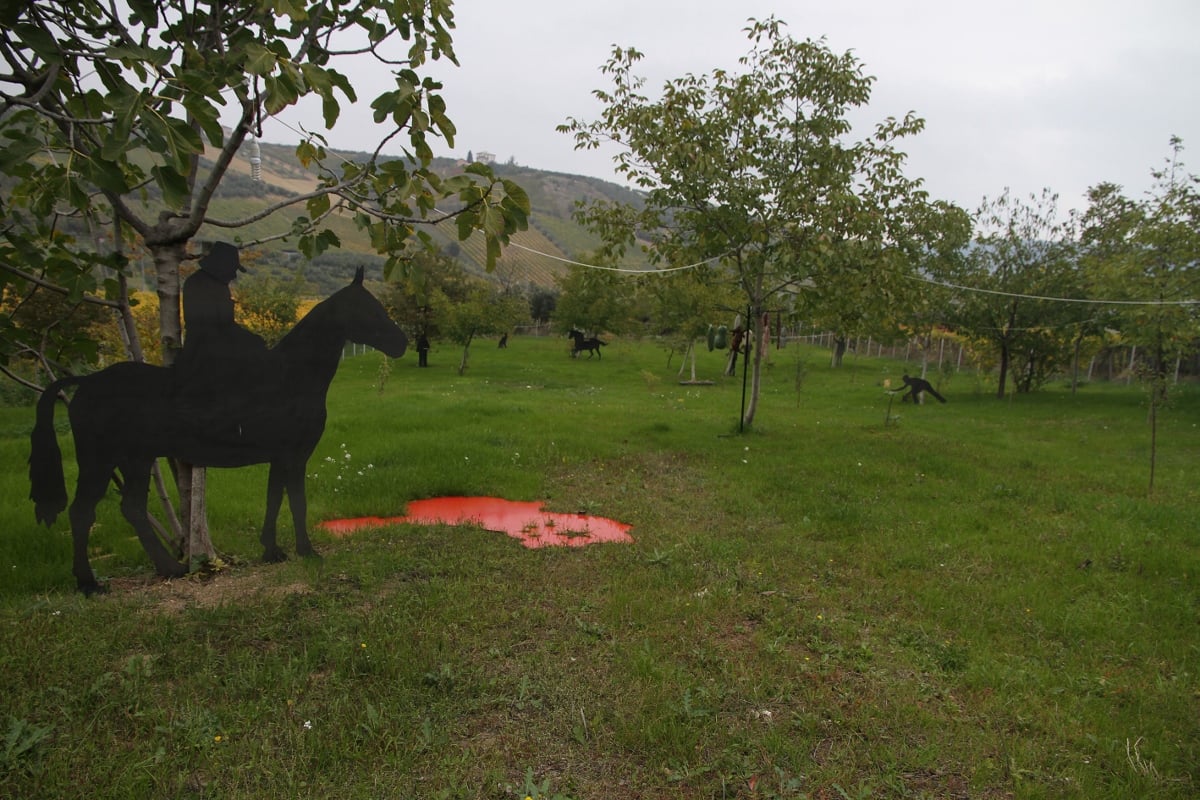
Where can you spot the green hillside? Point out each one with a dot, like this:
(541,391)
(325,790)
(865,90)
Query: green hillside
(536,258)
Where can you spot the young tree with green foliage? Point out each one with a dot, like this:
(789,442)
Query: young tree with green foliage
(421,292)
(684,304)
(485,311)
(594,300)
(111,134)
(921,307)
(759,171)
(1022,251)
(1147,254)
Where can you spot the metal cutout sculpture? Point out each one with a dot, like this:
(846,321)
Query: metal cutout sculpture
(580,343)
(125,416)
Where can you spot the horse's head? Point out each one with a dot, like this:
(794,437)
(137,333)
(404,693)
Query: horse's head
(365,320)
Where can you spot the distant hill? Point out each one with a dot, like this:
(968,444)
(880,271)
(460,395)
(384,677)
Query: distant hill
(530,261)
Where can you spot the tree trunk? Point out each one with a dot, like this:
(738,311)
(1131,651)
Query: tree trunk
(462,366)
(1075,363)
(1004,356)
(173,534)
(754,334)
(200,550)
(191,481)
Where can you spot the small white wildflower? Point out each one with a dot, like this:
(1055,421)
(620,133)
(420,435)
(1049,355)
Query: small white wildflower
(308,724)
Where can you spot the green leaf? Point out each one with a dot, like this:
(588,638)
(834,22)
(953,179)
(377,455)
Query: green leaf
(330,110)
(518,196)
(174,186)
(259,60)
(493,252)
(108,176)
(466,226)
(318,205)
(177,140)
(145,12)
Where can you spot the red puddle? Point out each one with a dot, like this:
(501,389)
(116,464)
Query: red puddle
(521,520)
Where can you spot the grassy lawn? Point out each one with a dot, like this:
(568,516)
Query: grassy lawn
(979,600)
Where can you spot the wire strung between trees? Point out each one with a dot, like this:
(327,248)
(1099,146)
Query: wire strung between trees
(961,288)
(931,281)
(615,269)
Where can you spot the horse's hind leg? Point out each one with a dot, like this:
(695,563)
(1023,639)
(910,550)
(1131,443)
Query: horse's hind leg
(89,491)
(275,481)
(133,506)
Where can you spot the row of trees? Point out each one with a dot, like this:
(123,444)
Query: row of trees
(758,174)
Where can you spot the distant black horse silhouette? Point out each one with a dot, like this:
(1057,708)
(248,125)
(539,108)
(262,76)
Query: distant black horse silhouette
(581,343)
(125,416)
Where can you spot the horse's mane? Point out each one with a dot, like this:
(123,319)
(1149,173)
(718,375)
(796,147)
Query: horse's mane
(312,320)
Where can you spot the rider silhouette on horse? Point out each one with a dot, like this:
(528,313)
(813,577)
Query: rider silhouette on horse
(218,354)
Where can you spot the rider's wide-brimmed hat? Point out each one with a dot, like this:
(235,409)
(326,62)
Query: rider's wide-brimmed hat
(222,262)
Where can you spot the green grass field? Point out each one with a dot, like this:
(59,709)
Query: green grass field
(979,600)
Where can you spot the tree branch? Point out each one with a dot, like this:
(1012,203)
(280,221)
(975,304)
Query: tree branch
(35,280)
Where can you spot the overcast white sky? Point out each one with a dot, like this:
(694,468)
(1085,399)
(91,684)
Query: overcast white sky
(1023,94)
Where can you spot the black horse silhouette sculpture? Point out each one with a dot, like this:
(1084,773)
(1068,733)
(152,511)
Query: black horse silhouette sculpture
(915,386)
(582,343)
(125,416)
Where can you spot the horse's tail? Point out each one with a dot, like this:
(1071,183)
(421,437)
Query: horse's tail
(48,487)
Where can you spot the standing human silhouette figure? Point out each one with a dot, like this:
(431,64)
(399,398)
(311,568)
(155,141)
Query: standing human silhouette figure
(422,350)
(217,352)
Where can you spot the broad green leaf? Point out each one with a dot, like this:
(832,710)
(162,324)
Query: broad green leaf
(318,205)
(259,60)
(174,186)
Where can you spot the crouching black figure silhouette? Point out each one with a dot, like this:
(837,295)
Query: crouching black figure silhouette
(916,386)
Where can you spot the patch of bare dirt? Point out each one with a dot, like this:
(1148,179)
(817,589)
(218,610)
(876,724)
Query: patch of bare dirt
(228,586)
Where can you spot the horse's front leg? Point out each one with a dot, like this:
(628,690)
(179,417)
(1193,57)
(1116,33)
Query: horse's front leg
(275,483)
(133,505)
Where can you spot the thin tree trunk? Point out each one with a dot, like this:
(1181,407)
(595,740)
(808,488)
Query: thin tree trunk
(200,548)
(1003,370)
(172,534)
(462,366)
(191,485)
(756,370)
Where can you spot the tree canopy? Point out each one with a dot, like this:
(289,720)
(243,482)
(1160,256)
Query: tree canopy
(119,121)
(761,171)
